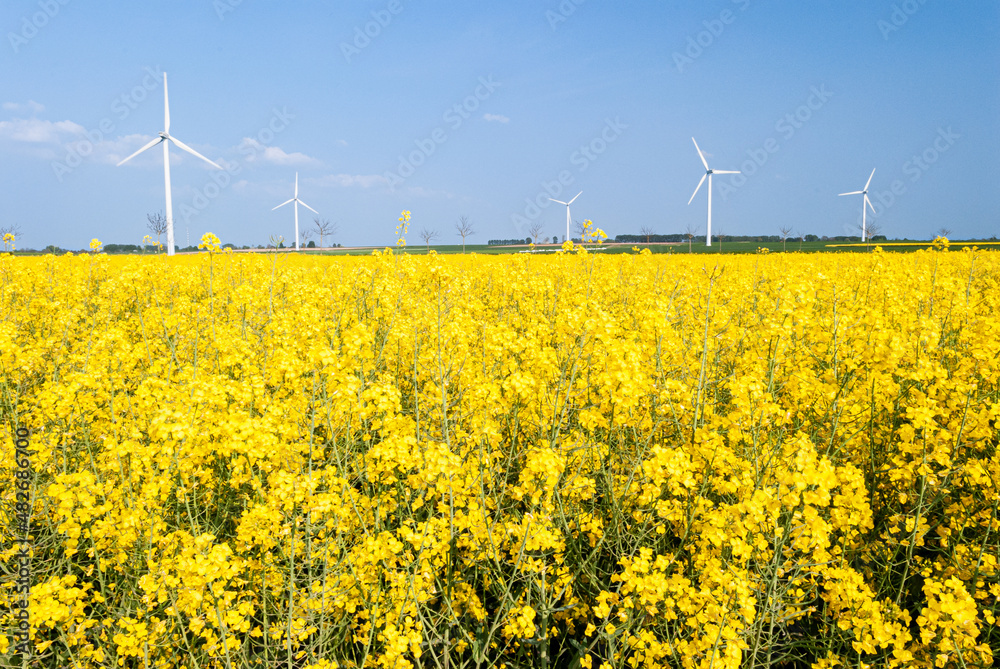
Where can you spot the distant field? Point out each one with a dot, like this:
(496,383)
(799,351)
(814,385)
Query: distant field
(724,247)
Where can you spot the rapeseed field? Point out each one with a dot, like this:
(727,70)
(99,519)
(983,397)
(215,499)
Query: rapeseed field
(242,461)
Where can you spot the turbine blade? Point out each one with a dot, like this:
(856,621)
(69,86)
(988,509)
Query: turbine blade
(870,205)
(703,177)
(870,180)
(853,192)
(308,207)
(559,201)
(166,106)
(701,155)
(726,171)
(284,203)
(148,146)
(187,148)
(574,198)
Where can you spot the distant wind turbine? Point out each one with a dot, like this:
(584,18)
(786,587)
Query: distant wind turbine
(864,211)
(297,202)
(567,210)
(165,138)
(708,173)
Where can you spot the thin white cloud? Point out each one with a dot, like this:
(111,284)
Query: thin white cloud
(420,191)
(69,142)
(498,118)
(278,156)
(351,180)
(36,131)
(275,155)
(30,107)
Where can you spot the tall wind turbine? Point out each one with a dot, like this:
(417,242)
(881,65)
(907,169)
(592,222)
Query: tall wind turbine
(165,138)
(864,211)
(708,173)
(567,210)
(297,202)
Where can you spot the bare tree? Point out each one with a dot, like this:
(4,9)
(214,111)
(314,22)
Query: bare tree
(535,230)
(785,233)
(873,230)
(464,227)
(647,232)
(720,235)
(690,232)
(428,236)
(579,229)
(157,224)
(324,229)
(12,229)
(944,232)
(306,236)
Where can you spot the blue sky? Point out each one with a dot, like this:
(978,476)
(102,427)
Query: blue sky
(478,109)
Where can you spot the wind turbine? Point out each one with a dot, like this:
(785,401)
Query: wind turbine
(165,138)
(297,202)
(708,173)
(864,211)
(567,210)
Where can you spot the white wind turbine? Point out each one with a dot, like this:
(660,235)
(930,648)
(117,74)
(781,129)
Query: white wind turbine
(864,211)
(297,202)
(165,138)
(567,210)
(708,173)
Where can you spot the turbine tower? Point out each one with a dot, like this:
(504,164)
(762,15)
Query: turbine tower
(297,202)
(708,173)
(567,210)
(165,138)
(864,211)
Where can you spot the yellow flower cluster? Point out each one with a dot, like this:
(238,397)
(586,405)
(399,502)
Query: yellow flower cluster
(591,233)
(391,461)
(209,242)
(401,229)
